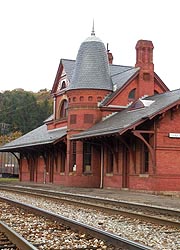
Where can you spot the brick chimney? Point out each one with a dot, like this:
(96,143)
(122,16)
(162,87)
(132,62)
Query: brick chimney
(110,56)
(144,54)
(144,60)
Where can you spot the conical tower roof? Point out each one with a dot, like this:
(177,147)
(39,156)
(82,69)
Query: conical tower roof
(91,68)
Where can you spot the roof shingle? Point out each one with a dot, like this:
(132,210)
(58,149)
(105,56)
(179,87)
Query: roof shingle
(35,137)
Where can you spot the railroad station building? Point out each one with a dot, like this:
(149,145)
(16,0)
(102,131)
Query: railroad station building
(112,126)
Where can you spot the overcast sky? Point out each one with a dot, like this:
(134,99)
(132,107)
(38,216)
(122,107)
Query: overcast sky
(36,34)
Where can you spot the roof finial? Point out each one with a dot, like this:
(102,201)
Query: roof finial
(93,32)
(108,47)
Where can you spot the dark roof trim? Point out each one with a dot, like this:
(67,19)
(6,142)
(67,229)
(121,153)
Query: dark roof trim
(161,83)
(58,74)
(95,135)
(119,90)
(165,109)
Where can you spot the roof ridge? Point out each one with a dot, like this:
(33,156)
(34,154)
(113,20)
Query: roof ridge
(68,59)
(122,65)
(164,93)
(124,71)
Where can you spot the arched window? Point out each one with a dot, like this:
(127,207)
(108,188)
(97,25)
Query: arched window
(132,94)
(63,109)
(90,98)
(63,85)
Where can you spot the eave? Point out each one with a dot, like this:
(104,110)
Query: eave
(120,131)
(164,110)
(33,146)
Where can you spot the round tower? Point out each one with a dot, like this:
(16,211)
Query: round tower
(90,83)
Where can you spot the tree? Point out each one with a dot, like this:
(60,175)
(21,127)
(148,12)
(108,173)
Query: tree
(23,111)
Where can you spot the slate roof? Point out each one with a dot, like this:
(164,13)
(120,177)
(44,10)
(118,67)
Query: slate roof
(91,69)
(69,67)
(118,73)
(36,137)
(119,80)
(126,119)
(118,69)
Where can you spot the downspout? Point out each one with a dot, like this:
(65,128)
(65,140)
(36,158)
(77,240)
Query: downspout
(102,167)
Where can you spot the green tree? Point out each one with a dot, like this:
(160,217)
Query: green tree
(23,110)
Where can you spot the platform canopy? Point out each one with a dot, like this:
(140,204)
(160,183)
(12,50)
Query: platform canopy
(37,137)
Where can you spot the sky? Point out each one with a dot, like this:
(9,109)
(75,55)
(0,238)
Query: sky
(36,34)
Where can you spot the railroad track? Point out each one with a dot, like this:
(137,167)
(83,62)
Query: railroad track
(159,237)
(114,242)
(153,214)
(10,240)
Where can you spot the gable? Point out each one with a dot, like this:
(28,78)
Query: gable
(63,75)
(127,82)
(121,96)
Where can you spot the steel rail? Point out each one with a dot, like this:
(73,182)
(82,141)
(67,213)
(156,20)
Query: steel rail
(125,204)
(163,210)
(16,238)
(142,216)
(95,232)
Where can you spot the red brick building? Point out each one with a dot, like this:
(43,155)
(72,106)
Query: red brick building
(113,126)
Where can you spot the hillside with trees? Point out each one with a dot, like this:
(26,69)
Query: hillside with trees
(21,111)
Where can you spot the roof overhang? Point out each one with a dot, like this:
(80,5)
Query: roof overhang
(38,138)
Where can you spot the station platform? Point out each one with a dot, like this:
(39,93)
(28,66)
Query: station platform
(163,199)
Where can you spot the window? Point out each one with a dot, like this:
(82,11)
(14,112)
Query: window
(99,98)
(88,118)
(87,157)
(90,98)
(74,156)
(62,166)
(110,161)
(63,85)
(132,94)
(73,119)
(63,109)
(145,157)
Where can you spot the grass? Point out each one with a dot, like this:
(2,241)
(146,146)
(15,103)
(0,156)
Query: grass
(8,180)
